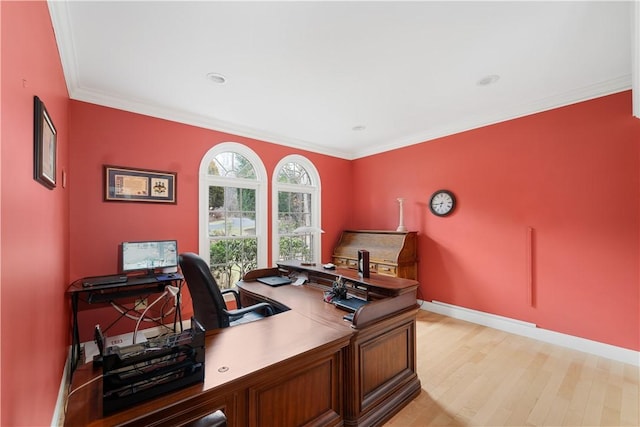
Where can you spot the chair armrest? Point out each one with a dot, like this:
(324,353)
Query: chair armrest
(235,295)
(255,307)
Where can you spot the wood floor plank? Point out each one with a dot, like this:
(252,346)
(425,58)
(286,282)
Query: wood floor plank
(556,366)
(477,376)
(629,411)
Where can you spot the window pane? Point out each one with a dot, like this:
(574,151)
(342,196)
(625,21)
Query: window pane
(231,258)
(232,216)
(295,247)
(294,173)
(232,211)
(248,224)
(294,210)
(232,165)
(247,200)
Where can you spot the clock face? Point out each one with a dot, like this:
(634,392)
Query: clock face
(442,202)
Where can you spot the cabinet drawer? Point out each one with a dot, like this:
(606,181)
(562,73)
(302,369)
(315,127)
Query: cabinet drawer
(389,270)
(345,262)
(340,262)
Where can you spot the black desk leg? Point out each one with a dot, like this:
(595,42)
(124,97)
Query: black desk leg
(75,338)
(177,317)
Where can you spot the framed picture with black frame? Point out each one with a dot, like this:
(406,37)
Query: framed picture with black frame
(124,184)
(44,145)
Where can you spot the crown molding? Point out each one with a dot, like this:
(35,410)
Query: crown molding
(610,87)
(157,111)
(59,13)
(544,104)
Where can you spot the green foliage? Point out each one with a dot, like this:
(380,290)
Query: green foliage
(216,197)
(247,199)
(294,247)
(230,259)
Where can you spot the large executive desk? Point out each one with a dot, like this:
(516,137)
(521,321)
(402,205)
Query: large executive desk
(302,366)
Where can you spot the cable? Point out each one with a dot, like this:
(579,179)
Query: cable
(79,387)
(167,290)
(125,312)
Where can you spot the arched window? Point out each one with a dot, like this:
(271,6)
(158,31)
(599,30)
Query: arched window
(233,212)
(296,210)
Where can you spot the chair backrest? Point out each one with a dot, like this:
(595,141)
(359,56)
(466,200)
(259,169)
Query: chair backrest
(208,303)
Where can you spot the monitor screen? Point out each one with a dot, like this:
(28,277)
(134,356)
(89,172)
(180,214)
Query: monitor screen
(148,255)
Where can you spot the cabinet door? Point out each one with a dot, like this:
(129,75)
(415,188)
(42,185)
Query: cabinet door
(383,363)
(288,399)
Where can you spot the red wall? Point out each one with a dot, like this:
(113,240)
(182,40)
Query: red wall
(101,135)
(571,174)
(34,221)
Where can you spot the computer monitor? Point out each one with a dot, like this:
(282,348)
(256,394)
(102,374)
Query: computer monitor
(148,255)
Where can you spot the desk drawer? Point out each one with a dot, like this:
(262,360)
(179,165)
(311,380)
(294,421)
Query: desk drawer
(345,262)
(352,263)
(386,269)
(339,262)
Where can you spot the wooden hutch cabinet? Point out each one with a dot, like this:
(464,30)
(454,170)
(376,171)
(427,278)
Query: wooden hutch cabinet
(392,253)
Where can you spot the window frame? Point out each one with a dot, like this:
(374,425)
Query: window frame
(314,189)
(259,185)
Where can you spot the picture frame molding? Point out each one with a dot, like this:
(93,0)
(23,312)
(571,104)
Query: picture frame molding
(127,184)
(45,146)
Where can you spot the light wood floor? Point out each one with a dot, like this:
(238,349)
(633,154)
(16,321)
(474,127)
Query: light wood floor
(472,375)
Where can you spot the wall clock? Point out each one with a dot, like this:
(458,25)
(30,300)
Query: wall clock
(442,203)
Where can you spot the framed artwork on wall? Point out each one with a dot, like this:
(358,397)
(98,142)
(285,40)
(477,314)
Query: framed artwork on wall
(44,146)
(124,184)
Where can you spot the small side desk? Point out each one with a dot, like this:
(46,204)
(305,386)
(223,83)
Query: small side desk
(135,286)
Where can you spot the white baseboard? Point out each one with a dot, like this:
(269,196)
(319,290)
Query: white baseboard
(61,402)
(530,330)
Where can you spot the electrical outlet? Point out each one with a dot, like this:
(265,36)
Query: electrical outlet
(140,303)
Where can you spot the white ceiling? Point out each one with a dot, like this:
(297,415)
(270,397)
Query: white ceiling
(304,74)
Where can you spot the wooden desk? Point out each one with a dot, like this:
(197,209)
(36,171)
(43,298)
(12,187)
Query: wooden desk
(380,362)
(258,374)
(303,366)
(391,253)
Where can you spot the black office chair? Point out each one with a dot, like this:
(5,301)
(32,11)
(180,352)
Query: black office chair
(209,307)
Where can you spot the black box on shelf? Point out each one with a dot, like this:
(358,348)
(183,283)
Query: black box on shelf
(138,372)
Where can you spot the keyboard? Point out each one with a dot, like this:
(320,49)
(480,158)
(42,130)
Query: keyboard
(104,280)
